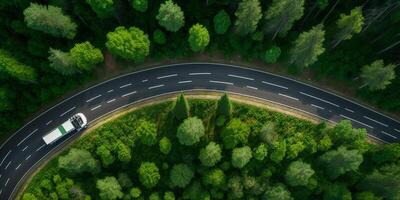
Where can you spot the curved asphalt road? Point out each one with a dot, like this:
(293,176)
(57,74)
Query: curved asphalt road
(22,151)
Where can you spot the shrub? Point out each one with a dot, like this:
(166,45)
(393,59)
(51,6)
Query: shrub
(272,55)
(148,174)
(190,131)
(169,196)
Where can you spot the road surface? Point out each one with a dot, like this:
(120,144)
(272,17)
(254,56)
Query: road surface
(22,152)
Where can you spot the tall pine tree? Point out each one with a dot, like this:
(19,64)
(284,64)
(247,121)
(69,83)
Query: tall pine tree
(248,15)
(181,108)
(349,25)
(224,106)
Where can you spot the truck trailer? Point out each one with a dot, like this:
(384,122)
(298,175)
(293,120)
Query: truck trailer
(76,122)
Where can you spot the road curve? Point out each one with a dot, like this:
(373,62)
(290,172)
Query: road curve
(25,149)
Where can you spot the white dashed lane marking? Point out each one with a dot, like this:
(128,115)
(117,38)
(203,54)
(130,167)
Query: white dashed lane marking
(318,107)
(388,134)
(222,82)
(126,85)
(5,158)
(7,182)
(25,148)
(254,88)
(27,137)
(127,94)
(242,77)
(28,157)
(201,73)
(112,100)
(156,86)
(180,82)
(356,121)
(67,111)
(145,80)
(167,76)
(397,130)
(110,91)
(376,121)
(8,164)
(94,108)
(349,110)
(276,85)
(49,122)
(287,96)
(38,149)
(328,102)
(18,167)
(93,98)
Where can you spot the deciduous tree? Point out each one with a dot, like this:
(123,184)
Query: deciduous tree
(78,161)
(277,192)
(190,131)
(147,132)
(222,22)
(247,15)
(198,38)
(272,54)
(149,174)
(349,25)
(377,76)
(181,175)
(210,155)
(12,67)
(109,188)
(214,177)
(337,191)
(170,16)
(105,155)
(235,133)
(86,56)
(260,152)
(62,62)
(165,145)
(298,173)
(241,156)
(159,37)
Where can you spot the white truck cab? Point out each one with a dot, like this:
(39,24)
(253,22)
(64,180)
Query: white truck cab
(76,122)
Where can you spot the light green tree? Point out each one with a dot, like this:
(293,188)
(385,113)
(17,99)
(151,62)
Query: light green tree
(49,19)
(109,188)
(308,46)
(210,155)
(190,131)
(139,5)
(241,156)
(123,152)
(377,76)
(214,178)
(278,151)
(86,56)
(281,15)
(349,25)
(105,155)
(165,145)
(13,68)
(62,62)
(247,15)
(103,8)
(135,193)
(277,192)
(268,133)
(260,152)
(170,16)
(181,175)
(149,174)
(222,22)
(132,43)
(78,161)
(29,196)
(198,38)
(299,173)
(181,108)
(235,133)
(147,132)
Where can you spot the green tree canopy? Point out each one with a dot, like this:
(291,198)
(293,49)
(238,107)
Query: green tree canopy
(132,43)
(277,192)
(224,106)
(210,155)
(298,173)
(49,19)
(78,161)
(147,132)
(139,5)
(103,8)
(214,177)
(159,37)
(235,133)
(12,67)
(149,174)
(340,161)
(344,134)
(281,15)
(337,191)
(86,56)
(135,193)
(308,46)
(272,54)
(241,156)
(377,76)
(190,131)
(386,153)
(260,152)
(349,25)
(181,175)
(181,108)
(124,180)
(105,155)
(62,62)
(222,22)
(247,15)
(123,152)
(169,195)
(268,133)
(109,188)
(198,37)
(165,145)
(278,151)
(170,16)
(29,196)
(5,100)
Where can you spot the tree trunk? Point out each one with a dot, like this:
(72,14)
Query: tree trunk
(389,47)
(330,11)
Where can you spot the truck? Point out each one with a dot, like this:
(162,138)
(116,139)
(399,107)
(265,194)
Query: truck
(75,123)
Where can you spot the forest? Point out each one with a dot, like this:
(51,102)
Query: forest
(49,48)
(201,149)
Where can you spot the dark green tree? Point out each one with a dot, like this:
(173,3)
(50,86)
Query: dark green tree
(181,108)
(12,67)
(272,54)
(109,188)
(149,174)
(222,22)
(247,15)
(139,5)
(224,106)
(49,19)
(337,191)
(5,100)
(377,75)
(299,173)
(103,8)
(170,16)
(159,37)
(235,133)
(181,175)
(147,132)
(123,152)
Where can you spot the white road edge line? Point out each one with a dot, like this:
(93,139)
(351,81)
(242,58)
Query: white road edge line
(242,77)
(91,99)
(287,96)
(94,108)
(276,85)
(7,182)
(313,105)
(112,100)
(49,122)
(127,94)
(25,148)
(156,86)
(226,83)
(254,88)
(352,111)
(8,164)
(5,158)
(167,76)
(201,73)
(18,166)
(184,82)
(67,111)
(26,137)
(388,134)
(397,130)
(28,157)
(376,121)
(38,149)
(356,121)
(126,85)
(373,136)
(319,99)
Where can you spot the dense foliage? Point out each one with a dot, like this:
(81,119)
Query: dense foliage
(275,157)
